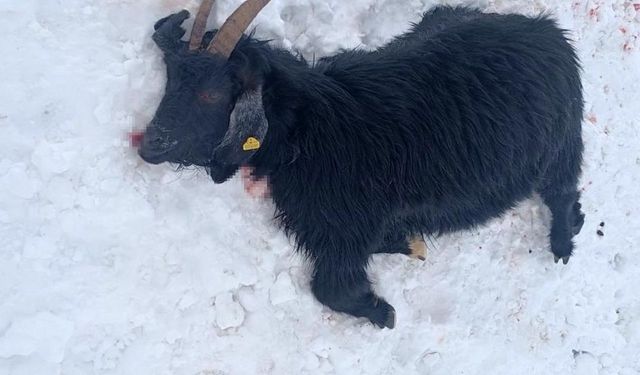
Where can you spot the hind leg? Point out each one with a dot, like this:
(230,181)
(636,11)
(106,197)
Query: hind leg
(566,221)
(560,191)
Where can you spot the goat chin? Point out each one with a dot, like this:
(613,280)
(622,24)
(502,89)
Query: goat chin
(221,173)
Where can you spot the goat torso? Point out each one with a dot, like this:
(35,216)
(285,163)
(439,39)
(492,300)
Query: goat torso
(443,128)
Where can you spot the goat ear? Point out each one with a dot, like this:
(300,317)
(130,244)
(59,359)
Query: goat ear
(168,31)
(248,126)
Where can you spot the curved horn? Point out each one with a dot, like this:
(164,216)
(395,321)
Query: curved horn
(231,31)
(200,24)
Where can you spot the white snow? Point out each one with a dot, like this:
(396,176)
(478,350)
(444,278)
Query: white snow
(282,290)
(112,266)
(42,334)
(229,313)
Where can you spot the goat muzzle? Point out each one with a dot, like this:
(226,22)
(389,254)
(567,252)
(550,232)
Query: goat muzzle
(155,146)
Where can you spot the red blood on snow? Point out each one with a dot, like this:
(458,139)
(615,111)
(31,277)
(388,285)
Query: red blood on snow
(135,138)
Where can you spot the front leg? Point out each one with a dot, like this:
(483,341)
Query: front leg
(341,283)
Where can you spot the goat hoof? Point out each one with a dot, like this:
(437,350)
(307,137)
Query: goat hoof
(418,249)
(386,316)
(565,259)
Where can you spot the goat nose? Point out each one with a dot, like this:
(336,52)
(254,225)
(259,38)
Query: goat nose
(155,147)
(153,141)
(156,139)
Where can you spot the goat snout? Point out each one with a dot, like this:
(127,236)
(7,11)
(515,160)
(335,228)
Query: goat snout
(156,147)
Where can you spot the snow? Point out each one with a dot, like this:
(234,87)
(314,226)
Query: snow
(112,266)
(43,334)
(229,313)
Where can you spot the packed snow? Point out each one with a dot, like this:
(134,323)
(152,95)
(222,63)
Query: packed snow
(112,266)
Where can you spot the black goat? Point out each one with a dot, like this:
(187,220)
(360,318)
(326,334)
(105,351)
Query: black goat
(443,128)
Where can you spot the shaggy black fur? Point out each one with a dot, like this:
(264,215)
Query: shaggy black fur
(445,127)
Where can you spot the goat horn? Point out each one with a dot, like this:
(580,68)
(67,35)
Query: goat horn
(200,24)
(231,31)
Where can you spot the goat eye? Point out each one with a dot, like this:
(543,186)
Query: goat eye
(209,97)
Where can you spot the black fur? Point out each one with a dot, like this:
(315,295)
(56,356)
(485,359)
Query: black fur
(445,127)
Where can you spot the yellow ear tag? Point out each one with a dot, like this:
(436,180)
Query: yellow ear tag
(251,144)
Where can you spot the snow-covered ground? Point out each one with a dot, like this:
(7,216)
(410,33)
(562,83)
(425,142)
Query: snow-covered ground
(112,266)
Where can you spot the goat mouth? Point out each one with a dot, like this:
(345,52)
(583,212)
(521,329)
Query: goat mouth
(188,161)
(153,157)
